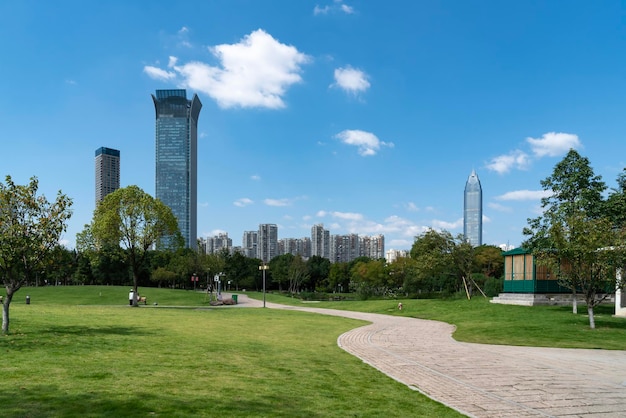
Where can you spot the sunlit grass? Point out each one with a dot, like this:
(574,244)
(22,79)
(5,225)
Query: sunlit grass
(480,321)
(80,352)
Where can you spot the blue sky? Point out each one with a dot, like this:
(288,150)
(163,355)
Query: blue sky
(366,116)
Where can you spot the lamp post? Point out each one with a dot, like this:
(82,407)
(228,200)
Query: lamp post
(194,279)
(264,267)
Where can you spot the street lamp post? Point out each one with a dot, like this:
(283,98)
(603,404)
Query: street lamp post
(264,267)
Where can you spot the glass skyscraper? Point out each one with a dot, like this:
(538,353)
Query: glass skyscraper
(473,211)
(177,157)
(107,172)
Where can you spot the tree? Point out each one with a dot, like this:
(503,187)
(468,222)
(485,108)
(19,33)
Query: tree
(318,270)
(575,231)
(463,257)
(403,274)
(299,272)
(370,278)
(30,228)
(135,220)
(572,187)
(279,266)
(432,252)
(585,254)
(488,260)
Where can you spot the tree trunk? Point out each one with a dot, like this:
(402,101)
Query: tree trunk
(592,321)
(5,314)
(574,303)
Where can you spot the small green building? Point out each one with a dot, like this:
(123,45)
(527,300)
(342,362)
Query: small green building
(523,275)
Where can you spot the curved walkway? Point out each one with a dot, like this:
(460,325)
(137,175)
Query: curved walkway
(482,380)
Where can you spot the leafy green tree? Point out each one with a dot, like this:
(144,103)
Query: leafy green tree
(585,254)
(432,252)
(318,269)
(488,260)
(370,278)
(403,274)
(339,277)
(575,229)
(572,187)
(243,272)
(162,275)
(279,267)
(30,229)
(463,257)
(299,273)
(135,220)
(615,205)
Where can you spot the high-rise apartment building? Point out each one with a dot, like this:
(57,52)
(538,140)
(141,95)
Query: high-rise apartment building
(320,241)
(267,243)
(216,244)
(373,246)
(107,172)
(473,211)
(177,156)
(249,243)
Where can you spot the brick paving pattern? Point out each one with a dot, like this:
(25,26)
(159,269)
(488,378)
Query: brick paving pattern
(482,380)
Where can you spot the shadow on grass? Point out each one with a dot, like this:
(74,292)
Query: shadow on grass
(52,401)
(87,331)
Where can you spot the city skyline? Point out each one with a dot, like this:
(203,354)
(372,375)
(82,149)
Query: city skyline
(362,116)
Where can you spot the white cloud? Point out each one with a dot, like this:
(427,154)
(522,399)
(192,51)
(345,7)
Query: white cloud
(256,72)
(351,80)
(255,177)
(347,9)
(412,207)
(524,195)
(553,144)
(159,74)
(504,163)
(347,216)
(499,207)
(367,142)
(244,201)
(277,202)
(317,10)
(438,224)
(338,6)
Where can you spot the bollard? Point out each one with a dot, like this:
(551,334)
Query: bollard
(27,300)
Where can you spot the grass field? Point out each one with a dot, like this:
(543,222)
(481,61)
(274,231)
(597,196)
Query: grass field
(81,352)
(480,321)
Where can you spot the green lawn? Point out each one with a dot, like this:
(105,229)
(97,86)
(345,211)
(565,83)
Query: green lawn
(80,352)
(480,321)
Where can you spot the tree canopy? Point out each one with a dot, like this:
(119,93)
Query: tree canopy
(30,229)
(579,235)
(136,221)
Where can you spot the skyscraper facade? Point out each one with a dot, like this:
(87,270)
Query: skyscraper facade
(320,241)
(249,243)
(107,172)
(267,244)
(177,157)
(473,211)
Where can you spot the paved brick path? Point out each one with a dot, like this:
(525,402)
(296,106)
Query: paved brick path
(485,380)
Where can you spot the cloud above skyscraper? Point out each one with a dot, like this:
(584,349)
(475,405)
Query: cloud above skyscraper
(551,144)
(255,72)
